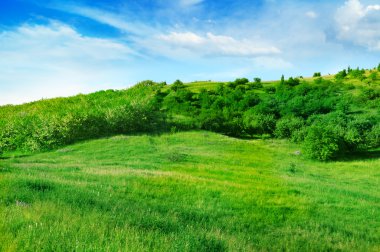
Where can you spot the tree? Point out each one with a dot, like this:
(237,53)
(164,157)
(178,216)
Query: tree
(257,123)
(241,81)
(317,74)
(177,85)
(322,143)
(286,126)
(378,67)
(293,81)
(341,75)
(256,84)
(282,80)
(257,80)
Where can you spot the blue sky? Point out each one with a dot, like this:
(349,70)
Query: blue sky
(61,47)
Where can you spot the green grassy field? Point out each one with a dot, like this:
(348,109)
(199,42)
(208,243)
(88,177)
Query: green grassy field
(194,191)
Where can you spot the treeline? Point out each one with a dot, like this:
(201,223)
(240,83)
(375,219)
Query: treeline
(329,117)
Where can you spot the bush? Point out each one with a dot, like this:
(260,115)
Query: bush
(257,123)
(286,126)
(322,143)
(255,85)
(211,120)
(293,82)
(241,81)
(341,75)
(257,80)
(177,85)
(373,137)
(318,80)
(356,133)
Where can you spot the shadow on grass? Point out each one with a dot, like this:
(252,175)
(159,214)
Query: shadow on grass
(358,156)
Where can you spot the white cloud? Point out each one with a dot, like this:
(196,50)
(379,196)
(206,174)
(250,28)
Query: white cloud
(311,14)
(39,61)
(176,44)
(359,24)
(215,45)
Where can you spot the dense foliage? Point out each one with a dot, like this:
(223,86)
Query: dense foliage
(51,123)
(329,116)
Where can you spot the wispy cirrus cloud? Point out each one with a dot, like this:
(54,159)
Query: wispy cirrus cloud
(159,41)
(55,60)
(216,45)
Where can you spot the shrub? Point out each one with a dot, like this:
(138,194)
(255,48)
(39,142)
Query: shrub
(270,90)
(293,82)
(322,143)
(241,81)
(211,120)
(373,76)
(372,137)
(286,126)
(318,80)
(177,85)
(341,75)
(255,85)
(257,80)
(257,123)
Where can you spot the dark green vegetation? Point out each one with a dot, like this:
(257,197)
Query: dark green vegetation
(190,191)
(330,117)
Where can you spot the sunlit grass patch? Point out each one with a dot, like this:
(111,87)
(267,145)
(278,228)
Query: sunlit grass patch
(189,191)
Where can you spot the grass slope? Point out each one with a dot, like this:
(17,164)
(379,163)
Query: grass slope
(194,191)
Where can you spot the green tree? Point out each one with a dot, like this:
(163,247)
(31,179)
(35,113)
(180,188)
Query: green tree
(241,81)
(287,126)
(341,75)
(322,142)
(257,123)
(177,85)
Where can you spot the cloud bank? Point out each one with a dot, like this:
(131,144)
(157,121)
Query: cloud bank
(359,24)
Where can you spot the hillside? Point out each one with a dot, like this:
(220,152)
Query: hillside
(330,116)
(190,191)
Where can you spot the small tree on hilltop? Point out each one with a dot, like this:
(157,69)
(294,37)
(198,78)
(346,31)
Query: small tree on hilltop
(241,81)
(177,85)
(257,80)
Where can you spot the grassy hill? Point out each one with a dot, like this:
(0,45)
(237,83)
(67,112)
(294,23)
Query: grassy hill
(297,109)
(191,191)
(290,165)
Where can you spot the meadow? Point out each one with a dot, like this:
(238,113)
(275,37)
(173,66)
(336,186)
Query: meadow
(245,165)
(187,191)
